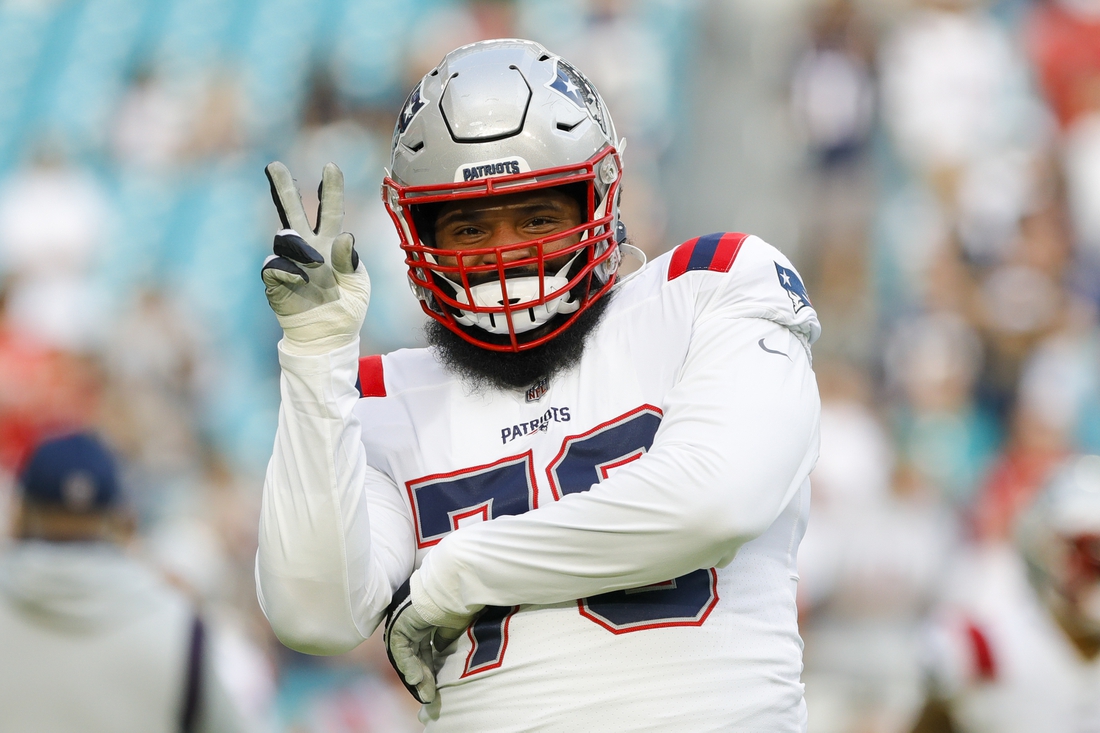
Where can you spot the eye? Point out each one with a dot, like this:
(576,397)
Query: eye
(459,234)
(543,221)
(464,232)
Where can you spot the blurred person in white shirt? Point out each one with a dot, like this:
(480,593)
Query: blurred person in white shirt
(93,640)
(1016,646)
(874,549)
(54,220)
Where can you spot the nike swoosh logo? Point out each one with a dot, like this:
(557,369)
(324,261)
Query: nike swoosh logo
(760,343)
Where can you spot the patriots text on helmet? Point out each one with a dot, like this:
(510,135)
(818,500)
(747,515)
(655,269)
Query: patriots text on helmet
(506,167)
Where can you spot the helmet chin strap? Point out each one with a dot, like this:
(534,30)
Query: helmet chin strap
(520,290)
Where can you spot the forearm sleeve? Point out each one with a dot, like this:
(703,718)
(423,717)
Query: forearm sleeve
(738,437)
(327,562)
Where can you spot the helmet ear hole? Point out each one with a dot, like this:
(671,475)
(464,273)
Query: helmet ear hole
(620,231)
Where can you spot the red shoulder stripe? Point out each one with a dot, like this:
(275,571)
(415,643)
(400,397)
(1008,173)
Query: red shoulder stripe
(371,382)
(714,252)
(680,258)
(727,250)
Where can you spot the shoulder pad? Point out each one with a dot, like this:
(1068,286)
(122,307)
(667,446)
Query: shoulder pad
(760,281)
(371,381)
(714,252)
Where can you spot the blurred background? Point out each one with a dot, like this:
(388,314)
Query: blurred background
(931,166)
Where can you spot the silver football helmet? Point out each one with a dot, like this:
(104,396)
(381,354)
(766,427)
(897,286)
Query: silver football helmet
(501,117)
(1059,537)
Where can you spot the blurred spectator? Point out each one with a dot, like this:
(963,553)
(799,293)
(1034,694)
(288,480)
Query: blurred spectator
(92,640)
(216,132)
(1041,436)
(953,89)
(160,369)
(163,121)
(205,544)
(54,219)
(451,25)
(945,439)
(1081,157)
(869,566)
(833,97)
(150,126)
(1064,42)
(42,390)
(833,91)
(1014,649)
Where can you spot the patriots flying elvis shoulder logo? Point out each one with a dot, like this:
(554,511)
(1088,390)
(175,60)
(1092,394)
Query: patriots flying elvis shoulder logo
(796,291)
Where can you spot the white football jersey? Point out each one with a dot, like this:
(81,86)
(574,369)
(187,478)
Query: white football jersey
(646,508)
(1001,662)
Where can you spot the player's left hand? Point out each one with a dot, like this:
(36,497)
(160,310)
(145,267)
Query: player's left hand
(409,641)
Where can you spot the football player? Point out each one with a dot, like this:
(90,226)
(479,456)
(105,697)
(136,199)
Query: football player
(1020,650)
(580,507)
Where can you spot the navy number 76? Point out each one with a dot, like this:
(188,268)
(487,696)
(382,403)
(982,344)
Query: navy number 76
(443,502)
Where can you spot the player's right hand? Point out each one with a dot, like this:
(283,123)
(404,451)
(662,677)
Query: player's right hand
(315,282)
(409,640)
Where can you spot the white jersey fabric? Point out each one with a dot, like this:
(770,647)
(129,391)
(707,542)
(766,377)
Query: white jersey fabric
(1000,661)
(662,481)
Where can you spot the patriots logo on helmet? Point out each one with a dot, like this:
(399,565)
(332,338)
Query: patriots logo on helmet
(413,104)
(579,90)
(796,291)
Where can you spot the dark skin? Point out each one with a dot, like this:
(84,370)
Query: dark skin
(499,221)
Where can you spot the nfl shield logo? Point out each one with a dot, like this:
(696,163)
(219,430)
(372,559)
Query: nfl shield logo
(536,392)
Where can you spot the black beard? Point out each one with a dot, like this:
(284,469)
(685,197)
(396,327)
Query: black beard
(481,368)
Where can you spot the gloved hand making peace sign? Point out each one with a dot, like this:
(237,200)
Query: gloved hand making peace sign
(315,282)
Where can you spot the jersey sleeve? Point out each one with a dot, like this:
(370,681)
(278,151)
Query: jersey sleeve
(738,438)
(335,538)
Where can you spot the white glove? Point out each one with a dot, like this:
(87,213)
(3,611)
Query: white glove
(409,639)
(321,307)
